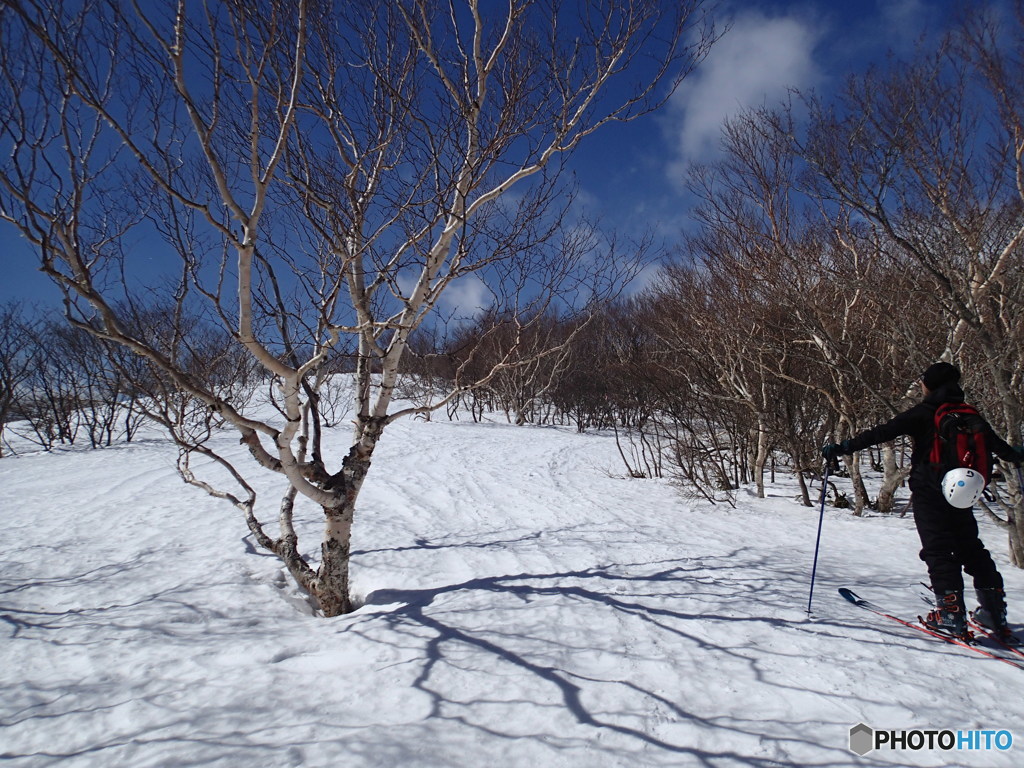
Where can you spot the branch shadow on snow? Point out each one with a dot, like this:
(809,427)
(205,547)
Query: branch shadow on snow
(421,544)
(465,629)
(569,659)
(85,608)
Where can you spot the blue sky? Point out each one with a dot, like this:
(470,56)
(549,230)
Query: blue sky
(632,176)
(772,46)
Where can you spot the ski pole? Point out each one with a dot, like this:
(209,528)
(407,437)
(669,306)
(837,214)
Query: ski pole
(821,519)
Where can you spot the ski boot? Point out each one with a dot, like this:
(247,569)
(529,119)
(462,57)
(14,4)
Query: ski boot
(949,616)
(991,613)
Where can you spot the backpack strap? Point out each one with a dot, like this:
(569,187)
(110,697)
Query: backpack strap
(935,457)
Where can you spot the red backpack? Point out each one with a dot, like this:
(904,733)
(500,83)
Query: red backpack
(960,440)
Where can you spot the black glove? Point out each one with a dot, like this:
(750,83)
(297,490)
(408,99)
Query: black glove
(1019,450)
(833,451)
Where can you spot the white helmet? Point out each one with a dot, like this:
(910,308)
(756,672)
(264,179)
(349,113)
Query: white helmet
(962,487)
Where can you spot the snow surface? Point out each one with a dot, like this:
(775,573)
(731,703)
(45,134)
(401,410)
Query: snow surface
(525,605)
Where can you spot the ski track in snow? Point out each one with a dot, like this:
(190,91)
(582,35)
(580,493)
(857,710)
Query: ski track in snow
(522,606)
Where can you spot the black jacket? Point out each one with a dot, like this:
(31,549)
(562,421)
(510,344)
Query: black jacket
(918,423)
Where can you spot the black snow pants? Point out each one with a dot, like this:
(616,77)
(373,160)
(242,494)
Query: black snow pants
(950,542)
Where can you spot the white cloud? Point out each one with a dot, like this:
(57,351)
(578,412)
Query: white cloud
(466,297)
(753,64)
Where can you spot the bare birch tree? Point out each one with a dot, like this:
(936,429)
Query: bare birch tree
(15,364)
(316,175)
(931,154)
(803,281)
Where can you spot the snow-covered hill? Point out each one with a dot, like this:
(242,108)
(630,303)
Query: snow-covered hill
(524,605)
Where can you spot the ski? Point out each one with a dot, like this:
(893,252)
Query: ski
(867,605)
(1012,645)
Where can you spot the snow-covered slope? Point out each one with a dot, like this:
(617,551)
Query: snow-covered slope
(525,605)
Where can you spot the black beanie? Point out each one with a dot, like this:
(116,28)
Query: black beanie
(938,374)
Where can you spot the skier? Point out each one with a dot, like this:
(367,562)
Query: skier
(949,535)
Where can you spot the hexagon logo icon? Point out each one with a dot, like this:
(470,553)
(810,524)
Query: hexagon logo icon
(862,739)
